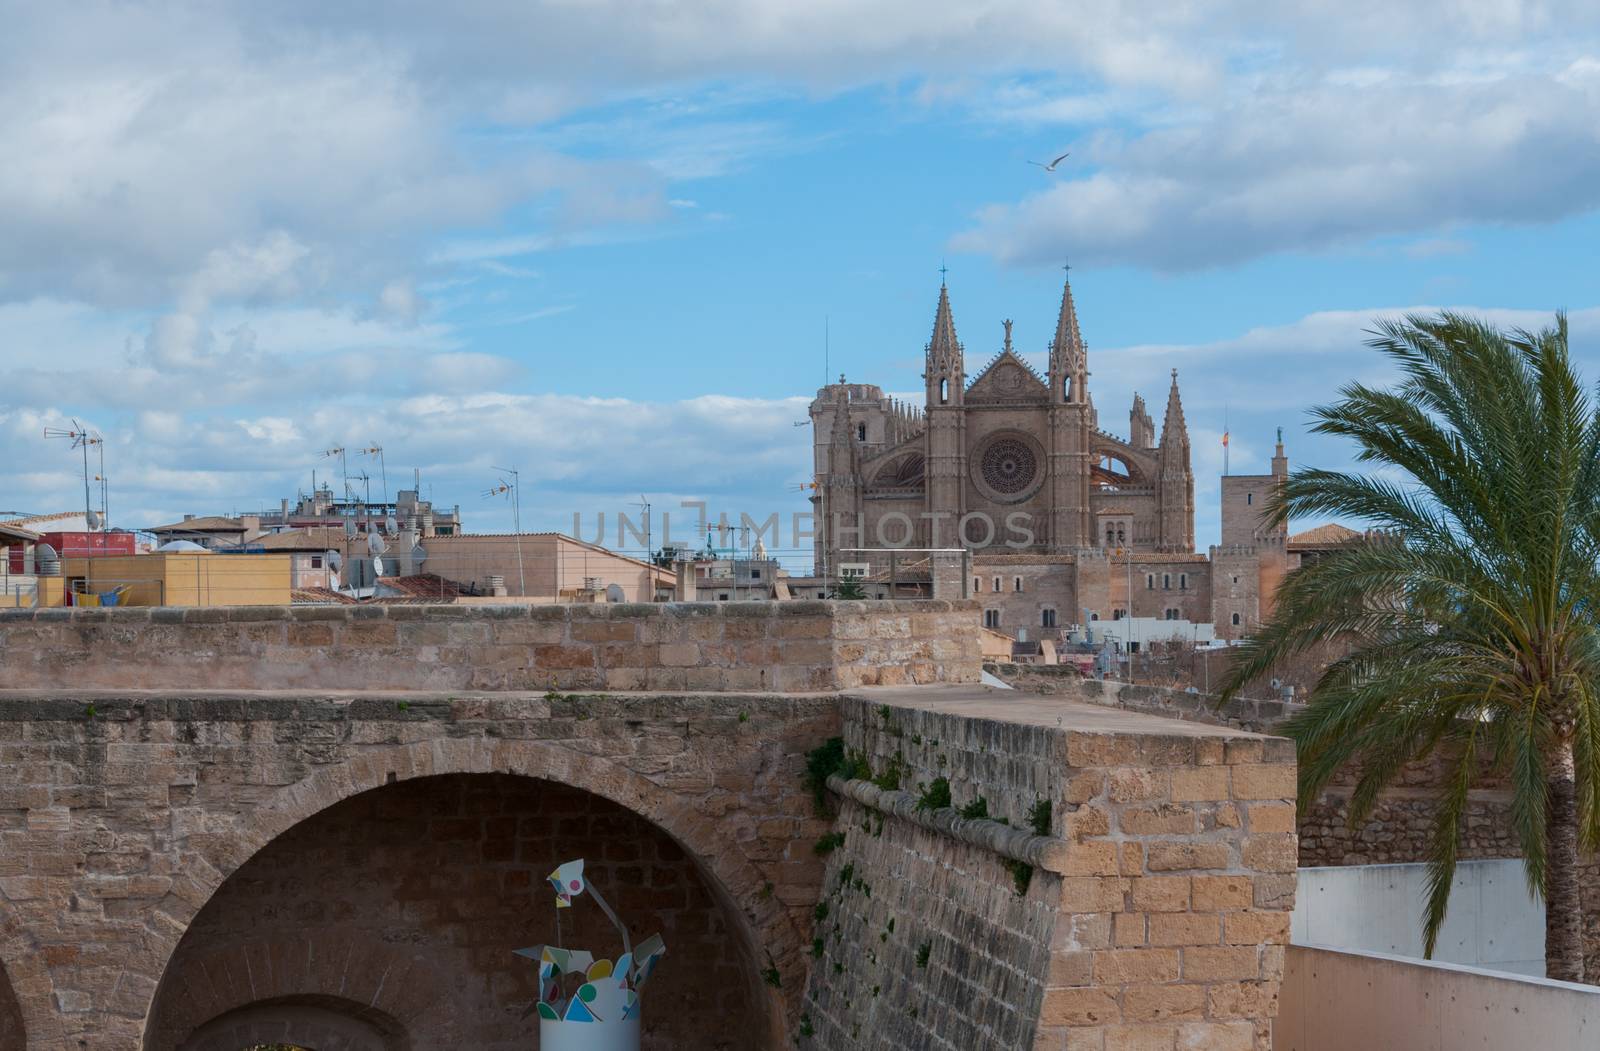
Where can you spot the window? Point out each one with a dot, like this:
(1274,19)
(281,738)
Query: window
(1016,583)
(1249,498)
(722,596)
(1122,538)
(1118,614)
(1172,614)
(822,594)
(997,583)
(1111,536)
(1094,616)
(316,561)
(1236,580)
(991,618)
(1236,620)
(1149,581)
(1166,582)
(977,585)
(755,574)
(1183,581)
(1047,618)
(944,391)
(861,432)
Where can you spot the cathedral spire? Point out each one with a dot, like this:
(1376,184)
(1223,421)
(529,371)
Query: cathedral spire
(1173,428)
(945,370)
(1069,358)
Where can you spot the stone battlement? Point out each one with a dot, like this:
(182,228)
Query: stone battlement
(797,646)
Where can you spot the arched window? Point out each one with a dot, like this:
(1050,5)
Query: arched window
(1111,536)
(1149,581)
(1236,620)
(861,432)
(1183,581)
(1066,389)
(1166,582)
(944,391)
(997,583)
(1249,498)
(1122,537)
(1016,583)
(991,618)
(977,584)
(1047,618)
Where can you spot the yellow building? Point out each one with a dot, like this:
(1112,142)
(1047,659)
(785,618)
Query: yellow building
(178,579)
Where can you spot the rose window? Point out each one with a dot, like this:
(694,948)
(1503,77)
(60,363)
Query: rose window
(1009,466)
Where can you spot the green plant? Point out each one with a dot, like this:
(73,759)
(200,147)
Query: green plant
(770,975)
(744,716)
(822,762)
(820,912)
(817,948)
(828,844)
(935,795)
(805,1026)
(1039,817)
(979,807)
(1468,613)
(403,706)
(893,771)
(1021,875)
(849,589)
(765,893)
(89,711)
(923,951)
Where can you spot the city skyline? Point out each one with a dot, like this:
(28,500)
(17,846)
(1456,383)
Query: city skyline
(241,241)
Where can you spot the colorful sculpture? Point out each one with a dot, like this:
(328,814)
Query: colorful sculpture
(602,1012)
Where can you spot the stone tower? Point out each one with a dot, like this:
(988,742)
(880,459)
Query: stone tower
(1177,478)
(945,377)
(1071,430)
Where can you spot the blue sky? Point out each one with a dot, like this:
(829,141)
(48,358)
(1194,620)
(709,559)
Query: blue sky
(601,242)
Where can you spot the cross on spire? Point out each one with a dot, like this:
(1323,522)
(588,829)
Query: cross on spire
(942,271)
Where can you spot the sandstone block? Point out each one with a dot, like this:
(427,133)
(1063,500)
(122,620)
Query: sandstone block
(1217,1036)
(1220,963)
(1256,928)
(1160,894)
(1163,1003)
(1217,893)
(1125,966)
(1180,857)
(1200,783)
(1270,781)
(1271,817)
(1078,1007)
(1185,928)
(1271,852)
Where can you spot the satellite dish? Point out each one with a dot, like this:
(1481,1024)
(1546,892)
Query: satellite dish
(45,551)
(93,520)
(377,568)
(374,544)
(418,555)
(335,560)
(614,593)
(390,526)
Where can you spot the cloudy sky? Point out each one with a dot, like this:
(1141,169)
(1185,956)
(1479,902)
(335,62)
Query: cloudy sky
(601,241)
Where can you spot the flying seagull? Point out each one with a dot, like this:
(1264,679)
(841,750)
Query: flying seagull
(1052,165)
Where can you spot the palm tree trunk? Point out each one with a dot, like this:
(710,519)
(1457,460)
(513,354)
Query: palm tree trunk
(1563,905)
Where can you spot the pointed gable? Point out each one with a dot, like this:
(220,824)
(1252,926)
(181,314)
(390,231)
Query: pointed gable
(1007,379)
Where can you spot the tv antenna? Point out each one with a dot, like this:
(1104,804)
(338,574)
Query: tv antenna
(344,472)
(512,488)
(383,472)
(82,439)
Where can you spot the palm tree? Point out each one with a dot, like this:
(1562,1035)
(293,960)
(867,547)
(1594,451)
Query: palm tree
(1470,611)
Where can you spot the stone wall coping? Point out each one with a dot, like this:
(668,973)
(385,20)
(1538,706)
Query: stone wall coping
(453,611)
(371,705)
(1045,852)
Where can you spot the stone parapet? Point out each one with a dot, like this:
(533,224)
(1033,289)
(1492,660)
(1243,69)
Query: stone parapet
(1158,923)
(797,646)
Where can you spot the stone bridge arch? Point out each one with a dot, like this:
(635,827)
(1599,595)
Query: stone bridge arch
(12,1031)
(766,931)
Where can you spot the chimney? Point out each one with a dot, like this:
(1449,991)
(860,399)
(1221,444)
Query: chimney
(684,590)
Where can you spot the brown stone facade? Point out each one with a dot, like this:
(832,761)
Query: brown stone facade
(236,844)
(409,945)
(1155,917)
(783,646)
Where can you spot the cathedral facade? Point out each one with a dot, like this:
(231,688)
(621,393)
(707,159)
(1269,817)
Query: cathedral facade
(1064,522)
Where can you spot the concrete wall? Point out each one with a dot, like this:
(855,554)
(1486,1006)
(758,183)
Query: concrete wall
(785,646)
(1493,921)
(1154,913)
(186,580)
(1340,1001)
(551,565)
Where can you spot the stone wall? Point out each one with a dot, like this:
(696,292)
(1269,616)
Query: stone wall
(783,646)
(121,817)
(417,937)
(1155,918)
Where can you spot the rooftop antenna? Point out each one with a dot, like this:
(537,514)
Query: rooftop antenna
(344,472)
(827,350)
(383,471)
(512,488)
(81,439)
